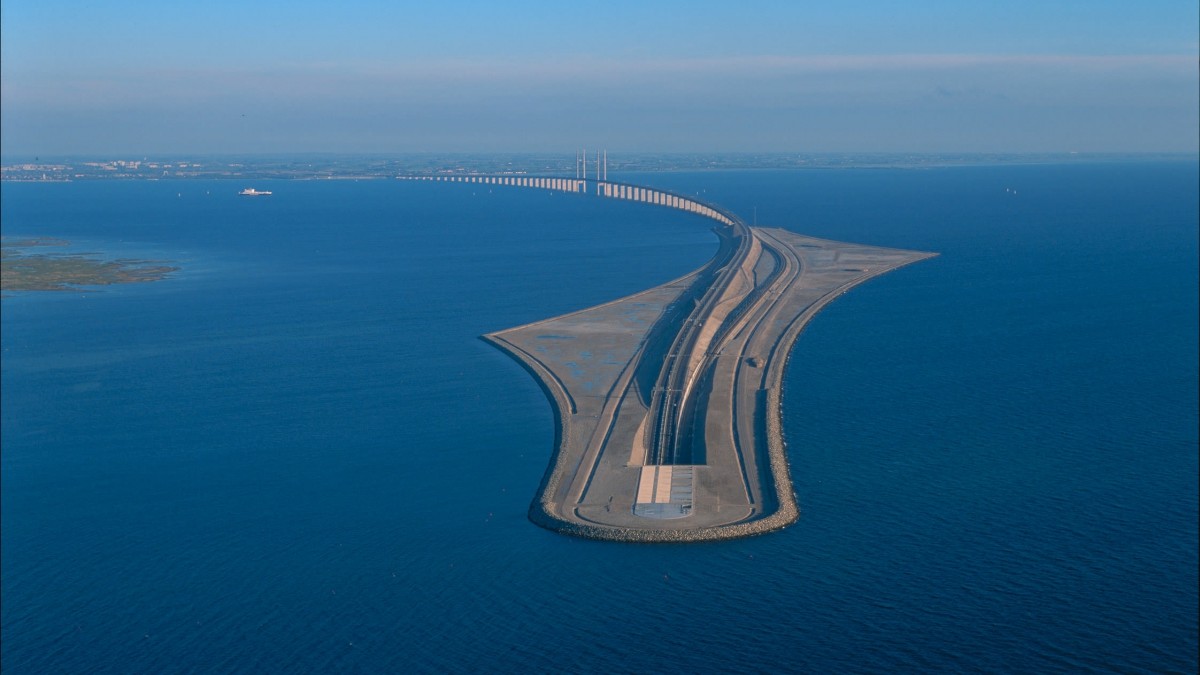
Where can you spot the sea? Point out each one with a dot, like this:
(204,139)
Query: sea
(295,454)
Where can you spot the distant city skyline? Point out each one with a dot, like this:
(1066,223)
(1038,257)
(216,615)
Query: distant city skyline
(869,76)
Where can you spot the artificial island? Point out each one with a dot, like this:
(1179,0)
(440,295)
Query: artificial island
(667,402)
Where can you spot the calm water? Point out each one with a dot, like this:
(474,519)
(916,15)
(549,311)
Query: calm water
(295,454)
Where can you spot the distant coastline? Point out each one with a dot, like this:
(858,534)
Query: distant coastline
(366,167)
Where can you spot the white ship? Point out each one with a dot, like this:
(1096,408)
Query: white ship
(251,192)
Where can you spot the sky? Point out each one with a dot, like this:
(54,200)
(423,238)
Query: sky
(934,76)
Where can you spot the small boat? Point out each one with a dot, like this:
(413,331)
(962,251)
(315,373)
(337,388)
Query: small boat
(251,192)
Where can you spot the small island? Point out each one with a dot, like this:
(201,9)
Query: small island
(22,269)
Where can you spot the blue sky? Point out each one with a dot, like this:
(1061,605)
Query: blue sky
(857,76)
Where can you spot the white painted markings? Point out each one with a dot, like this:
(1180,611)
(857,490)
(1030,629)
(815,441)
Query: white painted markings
(665,491)
(662,487)
(645,493)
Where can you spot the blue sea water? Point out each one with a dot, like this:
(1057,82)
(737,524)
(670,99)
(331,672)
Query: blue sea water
(294,455)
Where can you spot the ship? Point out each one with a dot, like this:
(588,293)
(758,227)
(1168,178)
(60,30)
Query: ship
(251,192)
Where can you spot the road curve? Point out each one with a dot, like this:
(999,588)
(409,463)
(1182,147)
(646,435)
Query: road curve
(667,402)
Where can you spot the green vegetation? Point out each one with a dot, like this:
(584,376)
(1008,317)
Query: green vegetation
(22,270)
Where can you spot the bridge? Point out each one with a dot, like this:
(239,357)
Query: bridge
(667,402)
(602,188)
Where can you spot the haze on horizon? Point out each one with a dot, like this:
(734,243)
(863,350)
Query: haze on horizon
(128,77)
